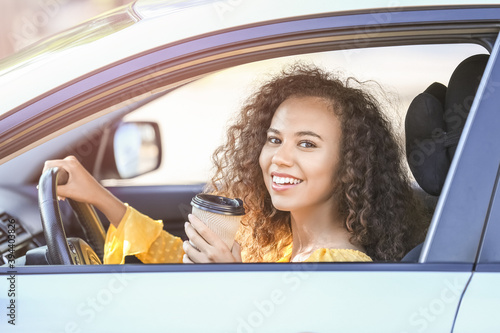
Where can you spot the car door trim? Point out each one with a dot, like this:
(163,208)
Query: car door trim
(14,133)
(242,267)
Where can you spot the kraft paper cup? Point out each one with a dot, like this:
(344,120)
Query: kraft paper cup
(221,214)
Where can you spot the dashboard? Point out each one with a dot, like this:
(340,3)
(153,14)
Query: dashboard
(19,214)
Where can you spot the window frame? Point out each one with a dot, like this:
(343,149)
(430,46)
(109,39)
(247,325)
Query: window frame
(172,65)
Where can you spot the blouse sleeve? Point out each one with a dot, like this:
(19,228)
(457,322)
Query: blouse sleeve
(139,235)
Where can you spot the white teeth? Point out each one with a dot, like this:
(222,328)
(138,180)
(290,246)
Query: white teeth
(285,180)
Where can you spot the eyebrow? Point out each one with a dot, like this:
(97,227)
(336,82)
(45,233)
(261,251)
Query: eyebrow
(301,133)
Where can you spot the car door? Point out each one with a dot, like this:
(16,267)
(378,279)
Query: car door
(481,300)
(308,297)
(478,308)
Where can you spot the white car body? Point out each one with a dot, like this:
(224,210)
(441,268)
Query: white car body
(454,286)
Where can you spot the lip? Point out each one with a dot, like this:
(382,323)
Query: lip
(280,188)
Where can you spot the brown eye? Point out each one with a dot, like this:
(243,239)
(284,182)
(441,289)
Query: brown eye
(273,140)
(307,144)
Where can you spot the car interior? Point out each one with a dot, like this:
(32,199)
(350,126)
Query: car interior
(433,123)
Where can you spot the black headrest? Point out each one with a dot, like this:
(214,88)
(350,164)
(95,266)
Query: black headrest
(435,120)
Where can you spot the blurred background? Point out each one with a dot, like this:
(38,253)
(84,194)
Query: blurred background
(23,22)
(206,104)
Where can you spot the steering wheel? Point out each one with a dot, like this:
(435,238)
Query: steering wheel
(72,251)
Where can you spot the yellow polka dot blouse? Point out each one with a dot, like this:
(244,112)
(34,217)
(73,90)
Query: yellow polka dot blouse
(139,235)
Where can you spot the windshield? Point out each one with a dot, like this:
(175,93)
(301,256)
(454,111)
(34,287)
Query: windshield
(84,33)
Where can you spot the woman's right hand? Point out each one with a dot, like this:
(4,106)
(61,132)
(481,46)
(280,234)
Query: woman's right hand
(83,187)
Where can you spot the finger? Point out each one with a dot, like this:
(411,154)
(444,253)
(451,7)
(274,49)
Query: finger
(67,163)
(52,164)
(64,166)
(62,177)
(236,251)
(192,253)
(195,238)
(61,190)
(186,260)
(204,231)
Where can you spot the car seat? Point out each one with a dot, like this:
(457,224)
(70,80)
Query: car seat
(433,125)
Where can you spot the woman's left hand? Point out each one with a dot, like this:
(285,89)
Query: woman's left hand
(208,247)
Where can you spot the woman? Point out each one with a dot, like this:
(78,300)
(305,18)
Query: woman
(319,172)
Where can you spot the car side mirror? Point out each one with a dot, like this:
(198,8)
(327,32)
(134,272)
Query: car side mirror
(129,149)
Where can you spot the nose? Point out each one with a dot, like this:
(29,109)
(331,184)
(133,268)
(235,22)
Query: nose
(283,156)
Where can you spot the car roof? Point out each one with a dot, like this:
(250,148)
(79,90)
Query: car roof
(145,25)
(275,9)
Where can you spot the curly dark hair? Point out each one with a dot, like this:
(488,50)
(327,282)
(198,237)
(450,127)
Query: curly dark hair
(373,189)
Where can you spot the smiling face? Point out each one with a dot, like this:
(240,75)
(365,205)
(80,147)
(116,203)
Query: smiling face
(301,154)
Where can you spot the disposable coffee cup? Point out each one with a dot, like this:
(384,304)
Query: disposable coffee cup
(221,214)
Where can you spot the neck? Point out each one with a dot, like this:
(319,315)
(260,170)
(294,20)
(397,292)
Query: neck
(317,228)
